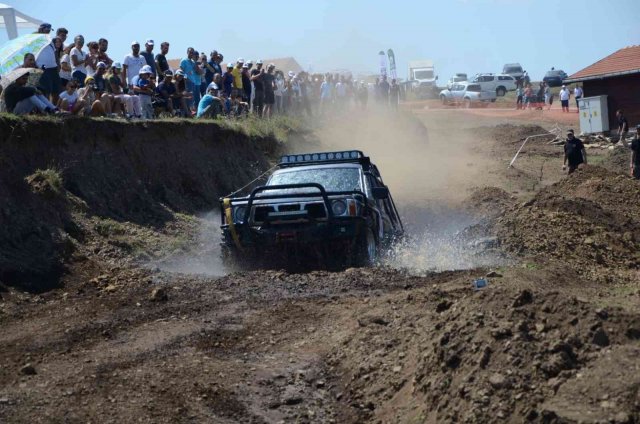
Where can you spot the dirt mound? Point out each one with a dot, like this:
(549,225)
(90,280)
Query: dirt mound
(55,174)
(488,201)
(589,219)
(505,353)
(617,160)
(508,133)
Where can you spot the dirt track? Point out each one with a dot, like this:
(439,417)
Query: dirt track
(554,337)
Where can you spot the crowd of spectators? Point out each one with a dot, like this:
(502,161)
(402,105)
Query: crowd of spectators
(71,78)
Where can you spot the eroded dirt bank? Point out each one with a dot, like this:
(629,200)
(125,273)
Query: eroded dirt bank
(55,173)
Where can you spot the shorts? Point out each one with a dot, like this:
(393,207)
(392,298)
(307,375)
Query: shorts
(269,98)
(50,82)
(565,103)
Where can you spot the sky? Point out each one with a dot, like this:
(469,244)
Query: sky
(467,36)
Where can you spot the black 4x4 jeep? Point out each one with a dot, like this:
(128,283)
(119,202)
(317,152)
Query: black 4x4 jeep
(332,207)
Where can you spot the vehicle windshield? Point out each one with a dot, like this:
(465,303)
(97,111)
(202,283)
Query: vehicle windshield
(474,88)
(512,70)
(555,73)
(423,74)
(332,179)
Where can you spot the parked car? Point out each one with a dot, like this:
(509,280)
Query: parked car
(456,78)
(554,77)
(330,207)
(466,93)
(513,69)
(499,84)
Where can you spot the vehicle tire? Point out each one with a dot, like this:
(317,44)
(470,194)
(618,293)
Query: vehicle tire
(493,100)
(501,91)
(467,103)
(443,100)
(366,249)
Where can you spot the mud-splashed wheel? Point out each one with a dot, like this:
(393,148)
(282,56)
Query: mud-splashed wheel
(366,252)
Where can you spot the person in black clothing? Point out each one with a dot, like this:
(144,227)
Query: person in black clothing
(258,88)
(23,100)
(574,152)
(246,82)
(162,66)
(635,155)
(623,127)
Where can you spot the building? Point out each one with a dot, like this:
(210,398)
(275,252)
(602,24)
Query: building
(618,77)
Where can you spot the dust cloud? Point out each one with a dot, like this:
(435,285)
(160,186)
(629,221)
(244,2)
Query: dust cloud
(203,255)
(430,168)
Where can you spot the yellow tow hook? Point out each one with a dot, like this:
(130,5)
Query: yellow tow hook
(226,203)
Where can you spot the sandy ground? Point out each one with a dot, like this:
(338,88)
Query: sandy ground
(410,342)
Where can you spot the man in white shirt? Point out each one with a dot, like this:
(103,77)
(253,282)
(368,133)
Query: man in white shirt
(565,94)
(50,80)
(132,64)
(577,93)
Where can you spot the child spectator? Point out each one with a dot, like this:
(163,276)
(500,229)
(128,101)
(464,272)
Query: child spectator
(69,99)
(65,69)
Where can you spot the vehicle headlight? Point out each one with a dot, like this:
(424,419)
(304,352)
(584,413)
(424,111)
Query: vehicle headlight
(238,215)
(338,207)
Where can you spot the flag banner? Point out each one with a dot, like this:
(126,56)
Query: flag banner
(392,64)
(383,63)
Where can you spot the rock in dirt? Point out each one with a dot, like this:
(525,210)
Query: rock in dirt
(443,306)
(600,338)
(499,381)
(28,369)
(524,298)
(159,294)
(494,274)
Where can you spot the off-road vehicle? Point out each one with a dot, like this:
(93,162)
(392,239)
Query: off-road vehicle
(328,208)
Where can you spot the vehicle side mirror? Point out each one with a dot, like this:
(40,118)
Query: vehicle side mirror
(380,193)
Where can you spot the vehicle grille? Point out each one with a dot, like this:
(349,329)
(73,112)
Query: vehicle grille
(316,210)
(261,212)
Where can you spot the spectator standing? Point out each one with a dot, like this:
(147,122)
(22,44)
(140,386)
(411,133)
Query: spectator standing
(227,80)
(132,64)
(268,80)
(279,91)
(635,155)
(246,82)
(47,60)
(92,58)
(519,97)
(565,94)
(197,81)
(384,90)
(22,100)
(257,78)
(187,66)
(574,152)
(103,46)
(578,93)
(78,60)
(363,94)
(623,127)
(149,58)
(548,97)
(62,34)
(162,66)
(325,95)
(65,69)
(394,94)
(528,96)
(237,78)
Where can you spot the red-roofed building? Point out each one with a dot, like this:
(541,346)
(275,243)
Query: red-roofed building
(618,77)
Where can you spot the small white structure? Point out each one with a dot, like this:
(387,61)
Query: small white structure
(594,114)
(12,19)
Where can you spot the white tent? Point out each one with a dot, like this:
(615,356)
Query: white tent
(12,19)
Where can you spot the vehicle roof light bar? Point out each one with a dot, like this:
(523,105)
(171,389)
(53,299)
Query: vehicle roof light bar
(348,155)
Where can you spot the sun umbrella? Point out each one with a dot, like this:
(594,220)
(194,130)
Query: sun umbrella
(34,76)
(12,52)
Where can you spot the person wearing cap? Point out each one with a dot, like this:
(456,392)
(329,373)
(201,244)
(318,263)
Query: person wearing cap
(635,155)
(79,60)
(574,152)
(269,82)
(47,60)
(210,105)
(132,64)
(279,91)
(246,82)
(623,127)
(166,91)
(145,87)
(22,100)
(162,65)
(237,78)
(115,87)
(182,95)
(44,28)
(149,57)
(227,80)
(93,105)
(565,95)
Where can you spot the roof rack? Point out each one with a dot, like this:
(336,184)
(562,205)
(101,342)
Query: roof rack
(355,156)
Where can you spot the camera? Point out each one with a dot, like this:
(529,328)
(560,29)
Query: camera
(92,86)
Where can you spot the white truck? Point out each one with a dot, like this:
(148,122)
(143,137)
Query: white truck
(422,74)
